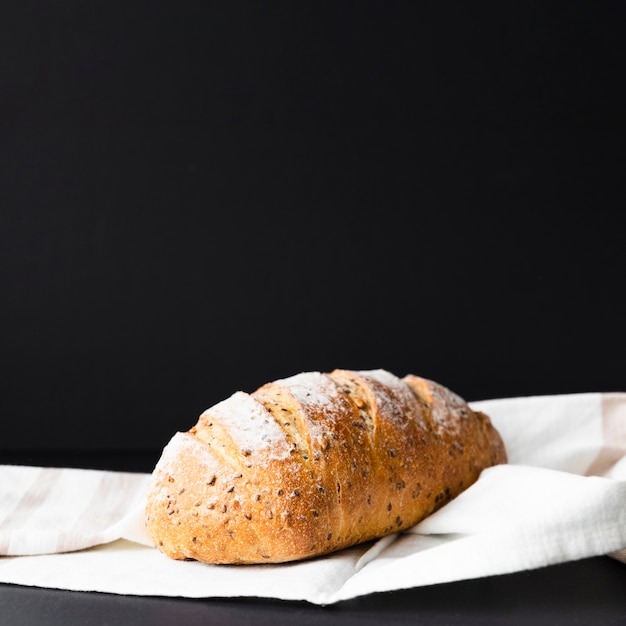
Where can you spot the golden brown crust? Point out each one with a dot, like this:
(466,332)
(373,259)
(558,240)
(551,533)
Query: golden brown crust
(314,463)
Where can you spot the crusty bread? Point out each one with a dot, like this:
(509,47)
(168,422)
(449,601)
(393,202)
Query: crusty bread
(314,463)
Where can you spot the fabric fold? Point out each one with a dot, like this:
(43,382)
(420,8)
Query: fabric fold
(54,510)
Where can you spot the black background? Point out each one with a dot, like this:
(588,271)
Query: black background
(197,198)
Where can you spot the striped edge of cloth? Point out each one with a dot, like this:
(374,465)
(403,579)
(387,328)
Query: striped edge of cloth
(611,460)
(52,510)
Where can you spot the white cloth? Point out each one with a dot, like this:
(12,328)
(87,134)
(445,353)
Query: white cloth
(562,497)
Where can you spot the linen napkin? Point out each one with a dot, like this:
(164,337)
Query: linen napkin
(562,497)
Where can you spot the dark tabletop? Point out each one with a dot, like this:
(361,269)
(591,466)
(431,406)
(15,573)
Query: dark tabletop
(591,591)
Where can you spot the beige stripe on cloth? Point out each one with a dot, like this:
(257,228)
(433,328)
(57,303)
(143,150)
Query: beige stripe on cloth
(109,504)
(50,510)
(17,511)
(611,460)
(613,452)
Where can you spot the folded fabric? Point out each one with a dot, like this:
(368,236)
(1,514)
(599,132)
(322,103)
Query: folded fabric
(562,497)
(49,510)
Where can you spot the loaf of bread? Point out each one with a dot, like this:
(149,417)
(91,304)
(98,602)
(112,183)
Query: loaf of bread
(314,463)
